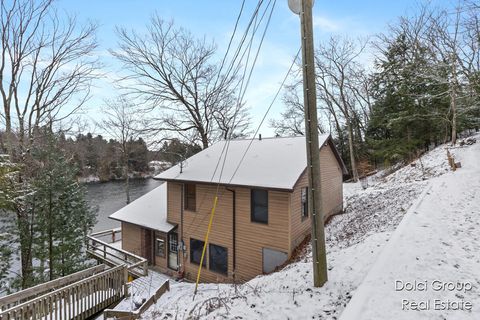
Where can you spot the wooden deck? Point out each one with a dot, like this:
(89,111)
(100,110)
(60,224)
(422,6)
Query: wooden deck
(79,300)
(16,298)
(110,254)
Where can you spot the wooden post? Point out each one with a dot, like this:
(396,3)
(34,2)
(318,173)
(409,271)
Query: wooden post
(125,281)
(313,149)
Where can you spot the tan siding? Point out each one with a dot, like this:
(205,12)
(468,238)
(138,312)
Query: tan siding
(250,238)
(283,232)
(132,238)
(196,224)
(253,237)
(174,194)
(133,241)
(332,195)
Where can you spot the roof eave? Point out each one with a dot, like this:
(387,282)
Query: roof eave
(143,226)
(232,185)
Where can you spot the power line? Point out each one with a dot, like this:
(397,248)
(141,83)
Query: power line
(237,52)
(241,95)
(265,115)
(230,42)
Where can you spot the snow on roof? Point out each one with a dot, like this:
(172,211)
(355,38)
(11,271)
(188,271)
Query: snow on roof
(274,163)
(150,210)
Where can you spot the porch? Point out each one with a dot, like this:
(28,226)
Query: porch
(106,247)
(137,247)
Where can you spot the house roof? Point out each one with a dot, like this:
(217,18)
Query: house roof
(149,211)
(272,163)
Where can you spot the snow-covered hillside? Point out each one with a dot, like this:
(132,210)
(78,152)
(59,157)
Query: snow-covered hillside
(431,267)
(354,241)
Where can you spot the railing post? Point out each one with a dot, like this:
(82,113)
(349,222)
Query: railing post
(125,281)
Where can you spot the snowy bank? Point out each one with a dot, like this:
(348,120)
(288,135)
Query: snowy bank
(431,267)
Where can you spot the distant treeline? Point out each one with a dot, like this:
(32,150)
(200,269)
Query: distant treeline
(98,157)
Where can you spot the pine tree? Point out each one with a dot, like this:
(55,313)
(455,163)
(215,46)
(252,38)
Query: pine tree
(63,217)
(408,113)
(7,172)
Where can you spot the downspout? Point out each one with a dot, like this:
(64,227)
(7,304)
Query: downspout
(234,228)
(181,244)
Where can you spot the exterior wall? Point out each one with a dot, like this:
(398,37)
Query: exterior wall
(251,237)
(332,192)
(132,238)
(133,241)
(285,229)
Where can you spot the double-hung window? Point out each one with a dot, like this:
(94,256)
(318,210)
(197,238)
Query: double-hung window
(218,258)
(189,196)
(196,248)
(304,202)
(259,205)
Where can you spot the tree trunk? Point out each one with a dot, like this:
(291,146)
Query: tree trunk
(453,99)
(127,180)
(25,250)
(453,105)
(50,235)
(352,155)
(8,123)
(204,141)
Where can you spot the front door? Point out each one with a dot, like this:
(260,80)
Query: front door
(173,250)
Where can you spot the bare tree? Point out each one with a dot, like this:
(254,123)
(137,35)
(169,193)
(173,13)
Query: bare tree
(122,124)
(45,65)
(172,74)
(338,76)
(292,119)
(46,69)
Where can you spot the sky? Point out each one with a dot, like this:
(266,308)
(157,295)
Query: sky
(215,20)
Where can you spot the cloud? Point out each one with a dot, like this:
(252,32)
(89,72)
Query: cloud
(326,24)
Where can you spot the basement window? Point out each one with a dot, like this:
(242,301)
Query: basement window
(272,259)
(196,248)
(218,259)
(190,195)
(259,205)
(304,202)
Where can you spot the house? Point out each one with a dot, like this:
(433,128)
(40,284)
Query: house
(261,214)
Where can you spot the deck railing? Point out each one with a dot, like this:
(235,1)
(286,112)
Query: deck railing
(78,300)
(19,297)
(122,314)
(109,254)
(108,236)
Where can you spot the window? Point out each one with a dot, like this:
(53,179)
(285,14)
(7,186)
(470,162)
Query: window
(196,248)
(160,247)
(218,259)
(304,202)
(259,205)
(189,198)
(272,259)
(173,242)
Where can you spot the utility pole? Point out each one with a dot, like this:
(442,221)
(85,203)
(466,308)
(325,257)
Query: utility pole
(304,8)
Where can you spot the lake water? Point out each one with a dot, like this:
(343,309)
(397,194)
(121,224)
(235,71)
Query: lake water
(109,197)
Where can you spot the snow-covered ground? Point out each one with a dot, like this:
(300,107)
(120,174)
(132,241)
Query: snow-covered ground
(431,267)
(354,241)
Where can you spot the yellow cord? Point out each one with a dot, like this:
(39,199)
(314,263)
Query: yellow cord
(205,244)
